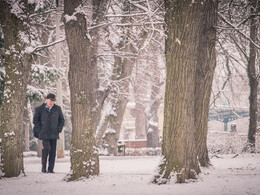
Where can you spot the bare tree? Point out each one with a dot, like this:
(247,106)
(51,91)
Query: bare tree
(252,74)
(86,97)
(83,84)
(240,21)
(140,91)
(138,31)
(122,51)
(17,63)
(206,64)
(179,150)
(155,101)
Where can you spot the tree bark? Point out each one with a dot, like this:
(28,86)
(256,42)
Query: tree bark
(179,148)
(204,78)
(83,81)
(17,64)
(253,82)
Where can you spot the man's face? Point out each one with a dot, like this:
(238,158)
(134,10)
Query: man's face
(50,103)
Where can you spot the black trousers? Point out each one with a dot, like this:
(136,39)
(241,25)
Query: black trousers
(49,150)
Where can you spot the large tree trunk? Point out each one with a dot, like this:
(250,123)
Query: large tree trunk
(17,67)
(179,151)
(83,80)
(253,82)
(204,78)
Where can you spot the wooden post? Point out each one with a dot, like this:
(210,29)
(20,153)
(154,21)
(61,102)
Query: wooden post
(27,137)
(60,143)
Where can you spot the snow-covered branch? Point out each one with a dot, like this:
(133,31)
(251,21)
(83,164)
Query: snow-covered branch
(125,15)
(41,47)
(235,27)
(40,14)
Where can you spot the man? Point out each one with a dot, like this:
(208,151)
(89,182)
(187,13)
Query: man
(48,122)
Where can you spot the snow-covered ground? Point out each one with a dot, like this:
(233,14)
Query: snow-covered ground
(132,175)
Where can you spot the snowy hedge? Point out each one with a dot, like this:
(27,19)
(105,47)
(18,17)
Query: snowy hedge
(228,142)
(218,143)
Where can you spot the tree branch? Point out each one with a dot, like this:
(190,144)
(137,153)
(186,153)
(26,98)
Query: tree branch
(38,14)
(236,28)
(41,47)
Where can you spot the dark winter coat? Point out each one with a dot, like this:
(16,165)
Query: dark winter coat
(48,123)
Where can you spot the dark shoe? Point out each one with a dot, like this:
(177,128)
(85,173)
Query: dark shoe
(50,171)
(43,170)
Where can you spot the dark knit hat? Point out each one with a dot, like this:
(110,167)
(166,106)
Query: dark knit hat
(51,96)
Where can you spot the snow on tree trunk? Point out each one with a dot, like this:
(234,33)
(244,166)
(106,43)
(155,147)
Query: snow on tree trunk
(152,119)
(17,63)
(111,137)
(204,77)
(152,125)
(179,151)
(83,81)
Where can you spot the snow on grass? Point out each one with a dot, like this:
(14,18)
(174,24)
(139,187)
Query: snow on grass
(132,175)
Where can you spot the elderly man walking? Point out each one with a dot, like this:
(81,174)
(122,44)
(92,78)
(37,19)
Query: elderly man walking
(48,122)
